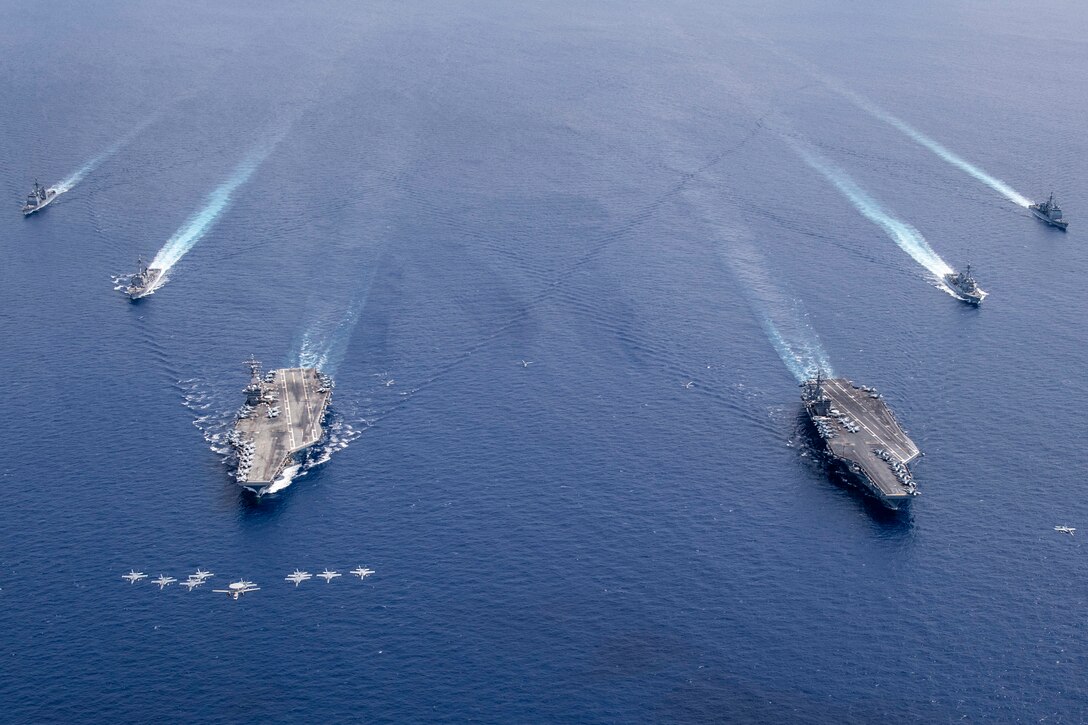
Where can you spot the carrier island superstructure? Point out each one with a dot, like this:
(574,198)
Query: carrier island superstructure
(282,417)
(862,437)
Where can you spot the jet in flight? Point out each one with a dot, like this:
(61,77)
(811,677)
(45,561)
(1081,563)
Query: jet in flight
(192,583)
(362,572)
(163,581)
(134,576)
(1065,530)
(298,576)
(328,576)
(201,574)
(236,589)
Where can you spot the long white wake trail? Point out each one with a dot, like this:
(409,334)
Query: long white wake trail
(196,226)
(943,153)
(78,175)
(909,239)
(782,319)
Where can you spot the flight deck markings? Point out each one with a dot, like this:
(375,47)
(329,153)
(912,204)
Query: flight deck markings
(287,404)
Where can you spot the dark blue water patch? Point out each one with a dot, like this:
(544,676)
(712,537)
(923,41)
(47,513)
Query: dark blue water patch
(630,527)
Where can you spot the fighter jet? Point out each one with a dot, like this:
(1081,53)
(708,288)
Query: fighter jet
(163,581)
(192,583)
(298,576)
(525,363)
(236,589)
(201,574)
(328,576)
(362,572)
(134,576)
(1065,530)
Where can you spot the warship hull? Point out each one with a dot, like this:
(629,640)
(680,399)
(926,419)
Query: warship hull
(971,297)
(1052,222)
(145,283)
(50,197)
(862,439)
(283,416)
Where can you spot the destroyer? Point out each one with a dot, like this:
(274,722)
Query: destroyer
(1050,212)
(281,418)
(965,287)
(862,437)
(145,281)
(39,198)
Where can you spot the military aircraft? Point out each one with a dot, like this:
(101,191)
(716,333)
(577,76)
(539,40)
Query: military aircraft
(298,576)
(134,576)
(201,574)
(328,576)
(1065,530)
(163,581)
(362,572)
(192,583)
(236,589)
(525,363)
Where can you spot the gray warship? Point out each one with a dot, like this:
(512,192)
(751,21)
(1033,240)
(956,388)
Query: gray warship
(282,417)
(965,286)
(862,438)
(39,198)
(1049,212)
(145,281)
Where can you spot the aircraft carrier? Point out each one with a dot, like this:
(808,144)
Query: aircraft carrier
(282,417)
(862,437)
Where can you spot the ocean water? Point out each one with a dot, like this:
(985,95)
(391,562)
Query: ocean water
(632,528)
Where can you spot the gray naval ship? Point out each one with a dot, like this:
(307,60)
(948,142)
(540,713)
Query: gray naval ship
(862,437)
(283,416)
(965,286)
(1049,212)
(145,281)
(39,198)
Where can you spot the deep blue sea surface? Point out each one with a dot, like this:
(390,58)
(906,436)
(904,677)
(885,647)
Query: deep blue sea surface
(674,210)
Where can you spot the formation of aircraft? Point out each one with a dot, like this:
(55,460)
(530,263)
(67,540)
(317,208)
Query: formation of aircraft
(236,589)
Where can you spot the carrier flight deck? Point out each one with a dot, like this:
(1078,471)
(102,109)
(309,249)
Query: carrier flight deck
(861,434)
(282,417)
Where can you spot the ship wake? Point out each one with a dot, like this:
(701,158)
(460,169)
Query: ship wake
(218,201)
(909,239)
(324,343)
(925,141)
(930,144)
(783,320)
(79,174)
